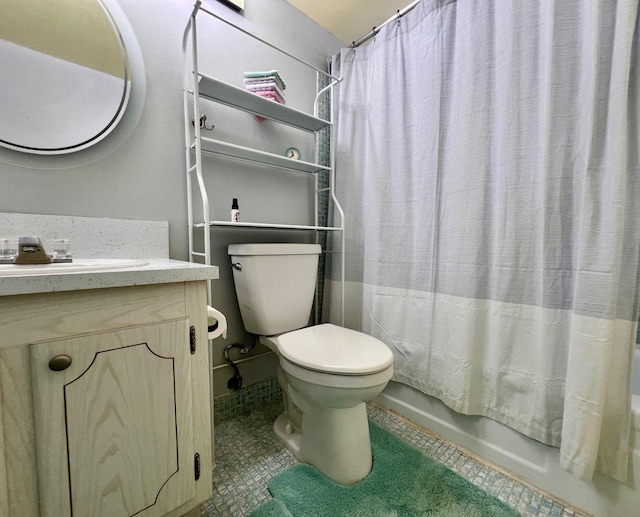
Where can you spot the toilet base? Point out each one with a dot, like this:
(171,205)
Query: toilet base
(335,441)
(288,436)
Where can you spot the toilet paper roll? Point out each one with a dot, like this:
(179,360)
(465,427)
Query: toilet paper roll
(217,323)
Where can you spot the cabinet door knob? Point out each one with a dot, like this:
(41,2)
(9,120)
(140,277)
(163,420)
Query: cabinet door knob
(60,362)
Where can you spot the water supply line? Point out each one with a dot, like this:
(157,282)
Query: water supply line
(235,382)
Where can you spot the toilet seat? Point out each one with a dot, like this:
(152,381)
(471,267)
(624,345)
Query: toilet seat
(330,349)
(334,380)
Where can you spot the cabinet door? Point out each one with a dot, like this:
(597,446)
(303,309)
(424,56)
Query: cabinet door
(114,429)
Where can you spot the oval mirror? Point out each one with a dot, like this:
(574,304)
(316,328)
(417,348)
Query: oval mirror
(66,77)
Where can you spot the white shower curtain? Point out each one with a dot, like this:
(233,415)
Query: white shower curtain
(487,162)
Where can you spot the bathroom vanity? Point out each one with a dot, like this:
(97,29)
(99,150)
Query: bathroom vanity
(104,391)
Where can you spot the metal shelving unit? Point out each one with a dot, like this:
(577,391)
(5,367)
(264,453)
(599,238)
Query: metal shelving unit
(234,97)
(199,86)
(209,145)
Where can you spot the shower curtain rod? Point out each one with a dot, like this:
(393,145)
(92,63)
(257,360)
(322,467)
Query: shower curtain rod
(375,30)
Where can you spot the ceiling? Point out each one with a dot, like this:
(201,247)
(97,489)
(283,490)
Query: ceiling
(348,20)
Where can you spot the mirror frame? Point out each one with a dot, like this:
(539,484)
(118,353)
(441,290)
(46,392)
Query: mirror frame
(120,129)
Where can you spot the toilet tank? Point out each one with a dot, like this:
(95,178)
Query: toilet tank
(275,285)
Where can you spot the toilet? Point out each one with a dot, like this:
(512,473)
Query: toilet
(327,373)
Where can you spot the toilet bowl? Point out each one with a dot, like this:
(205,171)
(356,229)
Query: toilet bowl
(327,373)
(327,382)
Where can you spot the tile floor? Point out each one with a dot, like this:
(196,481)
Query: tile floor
(248,456)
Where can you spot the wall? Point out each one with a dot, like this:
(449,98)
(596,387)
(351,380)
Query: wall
(34,24)
(145,178)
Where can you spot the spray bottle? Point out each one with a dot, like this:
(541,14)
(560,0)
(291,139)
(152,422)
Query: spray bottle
(235,211)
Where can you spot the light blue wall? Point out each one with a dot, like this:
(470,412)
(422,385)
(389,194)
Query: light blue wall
(145,178)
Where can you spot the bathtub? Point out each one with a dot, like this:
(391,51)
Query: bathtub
(530,460)
(635,385)
(635,407)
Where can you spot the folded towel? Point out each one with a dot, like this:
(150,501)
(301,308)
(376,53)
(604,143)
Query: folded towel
(264,86)
(272,95)
(271,73)
(270,79)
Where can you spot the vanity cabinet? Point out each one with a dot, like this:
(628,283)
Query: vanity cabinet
(113,429)
(105,402)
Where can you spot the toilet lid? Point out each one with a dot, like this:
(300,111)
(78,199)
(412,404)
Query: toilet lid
(332,349)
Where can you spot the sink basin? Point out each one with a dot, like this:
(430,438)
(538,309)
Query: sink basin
(77,266)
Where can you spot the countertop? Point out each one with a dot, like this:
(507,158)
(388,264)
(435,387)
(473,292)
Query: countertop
(154,271)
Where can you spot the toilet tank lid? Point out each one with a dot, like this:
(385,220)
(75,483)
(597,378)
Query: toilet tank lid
(274,249)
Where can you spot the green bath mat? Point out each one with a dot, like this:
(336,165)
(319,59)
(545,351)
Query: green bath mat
(403,482)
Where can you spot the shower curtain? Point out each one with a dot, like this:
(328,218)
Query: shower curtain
(487,162)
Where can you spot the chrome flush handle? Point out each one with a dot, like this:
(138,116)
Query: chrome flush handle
(237,265)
